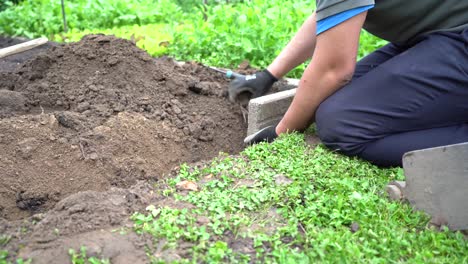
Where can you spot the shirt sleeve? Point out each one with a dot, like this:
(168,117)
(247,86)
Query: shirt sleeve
(331,21)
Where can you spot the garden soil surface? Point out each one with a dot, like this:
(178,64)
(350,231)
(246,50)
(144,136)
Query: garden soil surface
(86,129)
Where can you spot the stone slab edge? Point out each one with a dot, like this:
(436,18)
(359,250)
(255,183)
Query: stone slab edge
(436,182)
(269,109)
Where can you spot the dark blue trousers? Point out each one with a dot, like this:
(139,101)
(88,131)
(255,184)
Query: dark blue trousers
(401,99)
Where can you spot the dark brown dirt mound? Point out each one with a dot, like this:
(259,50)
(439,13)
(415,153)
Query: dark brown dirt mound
(101,113)
(98,220)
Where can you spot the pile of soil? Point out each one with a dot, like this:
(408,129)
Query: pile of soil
(88,131)
(102,113)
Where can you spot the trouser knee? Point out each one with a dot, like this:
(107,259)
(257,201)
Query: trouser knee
(334,131)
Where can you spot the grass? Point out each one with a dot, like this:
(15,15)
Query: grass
(293,204)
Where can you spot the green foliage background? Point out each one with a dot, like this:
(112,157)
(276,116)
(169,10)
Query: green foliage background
(5,4)
(256,31)
(32,18)
(220,33)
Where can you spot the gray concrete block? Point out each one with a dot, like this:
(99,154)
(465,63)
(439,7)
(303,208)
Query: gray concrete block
(437,181)
(269,109)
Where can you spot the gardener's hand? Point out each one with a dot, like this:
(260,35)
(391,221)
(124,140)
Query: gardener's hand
(254,85)
(267,134)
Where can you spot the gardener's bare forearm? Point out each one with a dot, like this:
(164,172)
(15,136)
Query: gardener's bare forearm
(299,49)
(315,86)
(330,69)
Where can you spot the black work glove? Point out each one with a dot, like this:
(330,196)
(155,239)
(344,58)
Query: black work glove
(254,85)
(267,134)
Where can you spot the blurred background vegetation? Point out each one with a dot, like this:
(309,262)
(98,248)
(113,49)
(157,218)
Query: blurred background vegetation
(220,33)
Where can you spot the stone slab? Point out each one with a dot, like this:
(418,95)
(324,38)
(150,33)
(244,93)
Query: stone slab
(269,109)
(437,183)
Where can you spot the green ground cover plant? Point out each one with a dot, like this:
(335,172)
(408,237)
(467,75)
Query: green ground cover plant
(296,204)
(82,258)
(4,256)
(4,240)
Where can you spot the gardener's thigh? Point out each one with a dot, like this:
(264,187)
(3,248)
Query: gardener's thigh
(376,58)
(422,88)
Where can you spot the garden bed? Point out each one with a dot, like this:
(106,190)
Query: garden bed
(101,115)
(94,139)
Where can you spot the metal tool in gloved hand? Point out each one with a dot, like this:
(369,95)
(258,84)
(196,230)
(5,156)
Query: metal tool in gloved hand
(243,101)
(248,86)
(228,73)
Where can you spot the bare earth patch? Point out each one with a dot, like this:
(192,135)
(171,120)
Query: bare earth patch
(85,128)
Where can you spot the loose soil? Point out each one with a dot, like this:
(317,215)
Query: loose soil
(102,113)
(87,130)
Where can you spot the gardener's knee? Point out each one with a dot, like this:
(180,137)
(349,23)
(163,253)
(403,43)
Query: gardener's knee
(334,131)
(328,123)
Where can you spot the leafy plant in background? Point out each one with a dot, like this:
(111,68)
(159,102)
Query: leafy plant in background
(231,33)
(257,31)
(368,43)
(5,4)
(218,33)
(191,5)
(32,18)
(154,38)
